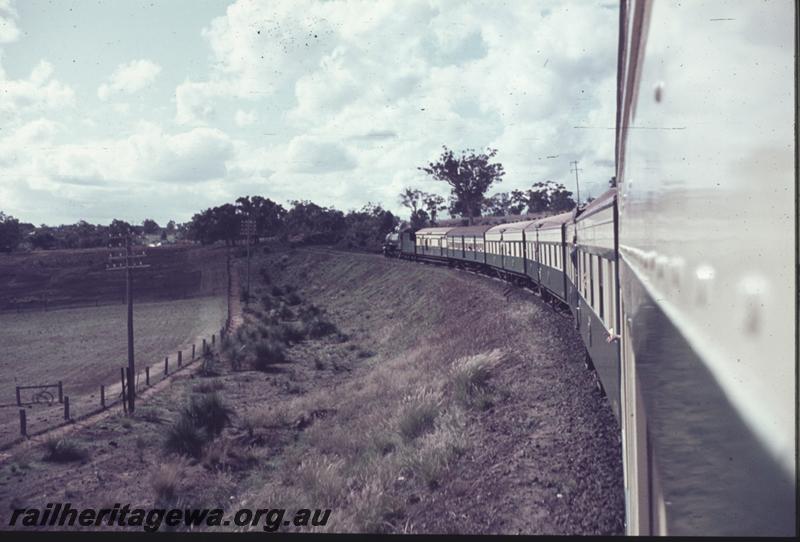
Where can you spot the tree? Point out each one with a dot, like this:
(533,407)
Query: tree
(498,205)
(43,238)
(150,226)
(433,204)
(419,219)
(314,224)
(267,214)
(561,199)
(411,198)
(469,176)
(119,227)
(171,226)
(503,203)
(367,228)
(549,196)
(10,233)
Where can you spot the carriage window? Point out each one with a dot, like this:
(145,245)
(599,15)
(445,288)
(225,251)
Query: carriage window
(591,281)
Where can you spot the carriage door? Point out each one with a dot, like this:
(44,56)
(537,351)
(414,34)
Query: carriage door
(644,505)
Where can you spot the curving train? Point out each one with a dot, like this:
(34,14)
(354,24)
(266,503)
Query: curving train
(681,280)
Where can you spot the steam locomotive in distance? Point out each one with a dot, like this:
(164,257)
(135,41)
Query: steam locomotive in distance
(681,280)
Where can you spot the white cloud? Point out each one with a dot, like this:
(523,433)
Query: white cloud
(245,118)
(37,93)
(353,96)
(308,154)
(129,78)
(9,32)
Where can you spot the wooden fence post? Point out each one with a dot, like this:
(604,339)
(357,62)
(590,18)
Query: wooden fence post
(213,339)
(180,358)
(147,375)
(166,365)
(193,352)
(204,347)
(60,392)
(103,396)
(66,408)
(23,423)
(19,400)
(124,395)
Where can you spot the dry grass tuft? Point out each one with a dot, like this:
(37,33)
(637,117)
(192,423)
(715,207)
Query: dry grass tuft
(165,481)
(418,414)
(470,378)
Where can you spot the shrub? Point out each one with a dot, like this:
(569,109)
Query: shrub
(149,415)
(235,354)
(208,387)
(208,365)
(293,332)
(285,313)
(309,311)
(317,327)
(209,412)
(268,352)
(61,450)
(276,291)
(293,299)
(418,414)
(264,272)
(184,438)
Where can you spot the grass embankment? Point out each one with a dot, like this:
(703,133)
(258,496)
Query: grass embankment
(368,386)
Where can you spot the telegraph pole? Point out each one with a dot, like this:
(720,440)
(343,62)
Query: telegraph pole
(248,229)
(577,185)
(123,256)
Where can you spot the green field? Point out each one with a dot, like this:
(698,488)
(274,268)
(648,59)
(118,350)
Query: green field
(86,347)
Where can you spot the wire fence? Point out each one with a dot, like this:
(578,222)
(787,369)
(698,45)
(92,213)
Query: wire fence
(43,413)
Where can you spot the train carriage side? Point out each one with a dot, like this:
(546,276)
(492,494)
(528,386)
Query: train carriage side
(507,246)
(467,244)
(407,243)
(707,268)
(571,267)
(596,313)
(431,243)
(550,253)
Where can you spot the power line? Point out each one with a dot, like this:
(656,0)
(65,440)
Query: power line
(121,255)
(577,184)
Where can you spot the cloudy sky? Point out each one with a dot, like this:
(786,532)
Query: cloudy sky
(160,108)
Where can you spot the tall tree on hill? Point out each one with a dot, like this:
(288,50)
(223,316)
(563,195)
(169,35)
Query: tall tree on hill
(469,176)
(10,233)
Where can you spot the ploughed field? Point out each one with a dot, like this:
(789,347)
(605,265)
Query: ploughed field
(404,397)
(60,278)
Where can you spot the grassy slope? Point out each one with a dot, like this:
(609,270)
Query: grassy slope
(446,409)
